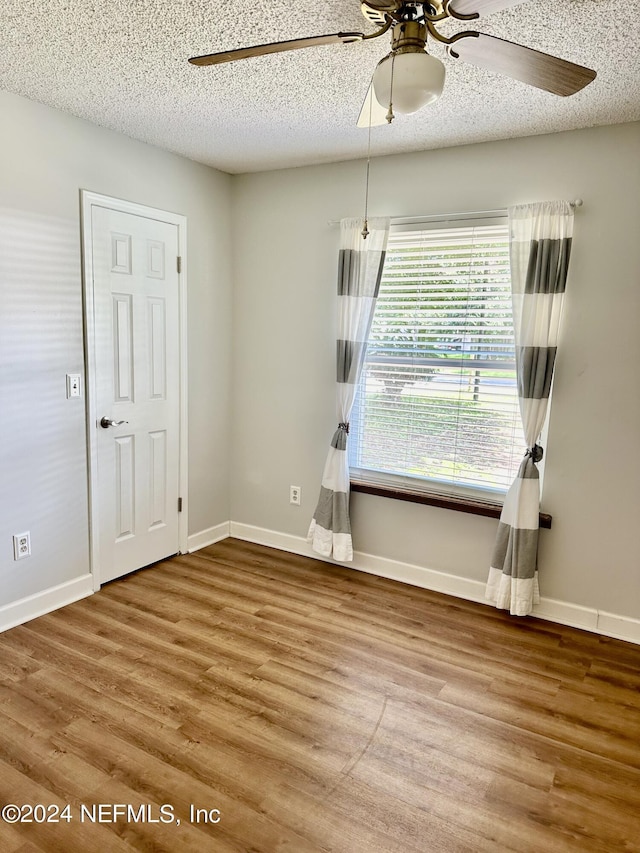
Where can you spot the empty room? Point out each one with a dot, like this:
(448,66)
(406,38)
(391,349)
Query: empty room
(320,458)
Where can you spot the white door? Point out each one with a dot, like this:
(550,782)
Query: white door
(135,412)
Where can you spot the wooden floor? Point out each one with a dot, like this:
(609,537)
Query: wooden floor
(316,709)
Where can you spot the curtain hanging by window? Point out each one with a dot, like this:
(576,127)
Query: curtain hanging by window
(540,245)
(359,273)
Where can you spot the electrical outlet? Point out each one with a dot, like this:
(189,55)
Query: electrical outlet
(21,545)
(295,495)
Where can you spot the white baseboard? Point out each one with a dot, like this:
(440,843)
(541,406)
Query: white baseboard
(620,627)
(208,537)
(44,602)
(562,612)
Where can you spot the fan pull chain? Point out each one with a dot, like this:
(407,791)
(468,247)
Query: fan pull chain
(390,115)
(365,230)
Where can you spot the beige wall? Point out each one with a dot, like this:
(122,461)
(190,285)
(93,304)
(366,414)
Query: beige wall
(283,368)
(46,157)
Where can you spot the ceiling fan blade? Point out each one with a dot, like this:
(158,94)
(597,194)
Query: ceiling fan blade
(522,63)
(481,7)
(274,47)
(371,109)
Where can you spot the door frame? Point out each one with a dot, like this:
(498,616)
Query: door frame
(88,200)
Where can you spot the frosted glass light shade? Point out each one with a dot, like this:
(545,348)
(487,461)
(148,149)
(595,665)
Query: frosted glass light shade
(418,80)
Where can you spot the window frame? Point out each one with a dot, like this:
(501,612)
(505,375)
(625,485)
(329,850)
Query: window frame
(475,499)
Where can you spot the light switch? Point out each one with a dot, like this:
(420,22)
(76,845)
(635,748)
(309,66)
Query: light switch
(74,387)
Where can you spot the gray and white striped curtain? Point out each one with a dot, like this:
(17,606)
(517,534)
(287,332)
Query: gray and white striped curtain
(540,245)
(359,273)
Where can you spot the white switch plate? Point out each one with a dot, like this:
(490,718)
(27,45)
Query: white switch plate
(74,386)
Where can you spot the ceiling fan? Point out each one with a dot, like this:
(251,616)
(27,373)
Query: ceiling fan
(408,78)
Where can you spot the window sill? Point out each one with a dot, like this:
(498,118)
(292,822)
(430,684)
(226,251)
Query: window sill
(491,510)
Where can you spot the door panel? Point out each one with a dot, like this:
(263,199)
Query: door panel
(156,337)
(155,259)
(121,253)
(125,487)
(158,478)
(122,347)
(136,326)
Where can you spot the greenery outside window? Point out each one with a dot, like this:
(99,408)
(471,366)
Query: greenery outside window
(437,406)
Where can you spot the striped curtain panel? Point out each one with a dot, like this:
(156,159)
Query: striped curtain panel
(540,245)
(359,273)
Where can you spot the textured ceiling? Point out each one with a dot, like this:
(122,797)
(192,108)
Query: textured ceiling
(123,64)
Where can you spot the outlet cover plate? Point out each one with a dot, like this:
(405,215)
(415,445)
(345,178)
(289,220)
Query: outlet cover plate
(295,495)
(21,545)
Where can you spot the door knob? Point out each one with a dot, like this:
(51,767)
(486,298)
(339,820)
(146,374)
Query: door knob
(106,422)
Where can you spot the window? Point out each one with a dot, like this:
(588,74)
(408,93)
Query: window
(437,407)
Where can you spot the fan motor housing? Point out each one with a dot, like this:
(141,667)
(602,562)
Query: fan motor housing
(408,37)
(379,11)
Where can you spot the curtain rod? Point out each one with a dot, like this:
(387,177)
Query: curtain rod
(577,202)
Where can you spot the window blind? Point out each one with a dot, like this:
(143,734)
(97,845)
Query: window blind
(437,401)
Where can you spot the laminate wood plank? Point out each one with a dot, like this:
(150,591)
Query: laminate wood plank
(143,637)
(158,837)
(145,778)
(585,819)
(576,820)
(28,847)
(117,675)
(443,618)
(360,829)
(15,665)
(181,661)
(248,650)
(281,565)
(22,703)
(40,760)
(368,676)
(458,664)
(535,714)
(61,837)
(619,683)
(545,826)
(266,753)
(175,748)
(458,733)
(62,630)
(451,641)
(288,711)
(185,649)
(605,650)
(166,607)
(111,715)
(92,741)
(597,712)
(246,583)
(323,710)
(418,672)
(599,785)
(246,590)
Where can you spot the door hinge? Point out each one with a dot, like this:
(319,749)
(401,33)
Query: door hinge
(179,264)
(179,504)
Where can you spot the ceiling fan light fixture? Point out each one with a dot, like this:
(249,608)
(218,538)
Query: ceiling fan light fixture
(418,80)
